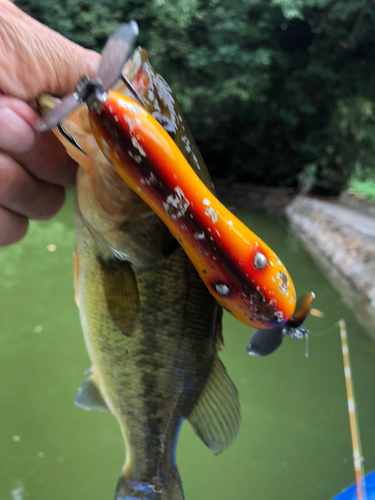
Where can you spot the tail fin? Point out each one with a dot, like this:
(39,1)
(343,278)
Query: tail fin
(168,489)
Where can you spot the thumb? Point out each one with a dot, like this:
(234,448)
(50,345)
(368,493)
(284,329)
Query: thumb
(35,59)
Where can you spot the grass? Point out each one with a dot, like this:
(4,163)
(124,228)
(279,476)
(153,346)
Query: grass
(364,188)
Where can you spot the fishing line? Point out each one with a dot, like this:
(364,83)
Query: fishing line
(318,334)
(132,90)
(323,332)
(307,345)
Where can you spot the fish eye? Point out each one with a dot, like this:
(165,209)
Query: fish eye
(222,288)
(260,260)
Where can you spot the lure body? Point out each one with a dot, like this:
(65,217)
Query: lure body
(239,269)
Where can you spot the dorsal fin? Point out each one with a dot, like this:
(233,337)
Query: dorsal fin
(216,417)
(89,396)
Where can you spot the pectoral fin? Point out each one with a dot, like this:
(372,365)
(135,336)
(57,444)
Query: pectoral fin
(121,293)
(89,397)
(216,417)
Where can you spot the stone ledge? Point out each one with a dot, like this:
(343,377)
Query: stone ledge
(347,253)
(358,202)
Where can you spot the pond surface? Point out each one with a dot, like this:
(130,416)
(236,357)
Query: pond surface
(294,442)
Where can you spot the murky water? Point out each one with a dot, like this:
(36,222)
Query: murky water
(294,441)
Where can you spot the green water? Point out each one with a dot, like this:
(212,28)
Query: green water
(294,441)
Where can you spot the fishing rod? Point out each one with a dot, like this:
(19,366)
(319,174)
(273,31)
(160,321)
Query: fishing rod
(353,418)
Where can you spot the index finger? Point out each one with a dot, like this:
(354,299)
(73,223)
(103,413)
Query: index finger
(35,59)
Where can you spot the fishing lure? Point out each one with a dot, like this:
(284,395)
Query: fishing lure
(239,269)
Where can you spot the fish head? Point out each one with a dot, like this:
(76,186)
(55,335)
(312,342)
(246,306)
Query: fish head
(116,217)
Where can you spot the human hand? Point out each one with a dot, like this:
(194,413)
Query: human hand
(34,168)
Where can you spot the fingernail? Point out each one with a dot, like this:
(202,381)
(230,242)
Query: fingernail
(16,136)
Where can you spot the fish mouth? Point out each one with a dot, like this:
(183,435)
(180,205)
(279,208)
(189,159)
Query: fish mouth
(265,342)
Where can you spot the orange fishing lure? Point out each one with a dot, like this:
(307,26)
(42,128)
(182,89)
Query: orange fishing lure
(239,269)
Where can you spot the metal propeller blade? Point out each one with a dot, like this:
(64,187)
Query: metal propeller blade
(301,310)
(114,55)
(265,342)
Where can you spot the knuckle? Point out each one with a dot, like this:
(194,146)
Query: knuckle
(11,182)
(12,228)
(23,194)
(48,205)
(19,231)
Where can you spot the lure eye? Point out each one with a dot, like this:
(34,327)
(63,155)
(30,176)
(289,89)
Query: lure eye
(222,289)
(260,260)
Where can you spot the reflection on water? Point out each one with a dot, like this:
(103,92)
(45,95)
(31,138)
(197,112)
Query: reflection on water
(294,441)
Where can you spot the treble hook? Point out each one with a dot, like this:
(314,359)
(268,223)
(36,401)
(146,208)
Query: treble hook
(69,138)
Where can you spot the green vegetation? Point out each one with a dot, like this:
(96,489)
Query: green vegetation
(365,188)
(277,92)
(362,181)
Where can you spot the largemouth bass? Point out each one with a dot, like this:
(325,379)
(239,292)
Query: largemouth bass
(151,327)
